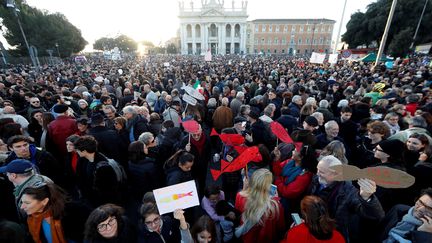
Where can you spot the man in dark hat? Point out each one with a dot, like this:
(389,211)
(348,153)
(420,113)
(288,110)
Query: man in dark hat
(60,129)
(22,175)
(305,133)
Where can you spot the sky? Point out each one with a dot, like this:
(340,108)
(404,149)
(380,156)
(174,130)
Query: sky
(157,20)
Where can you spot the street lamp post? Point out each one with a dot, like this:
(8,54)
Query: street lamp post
(11,4)
(57,45)
(340,27)
(418,25)
(384,37)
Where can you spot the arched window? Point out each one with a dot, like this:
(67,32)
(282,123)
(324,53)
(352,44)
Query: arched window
(228,30)
(189,30)
(198,31)
(237,30)
(213,30)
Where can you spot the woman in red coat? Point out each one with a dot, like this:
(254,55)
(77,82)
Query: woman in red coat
(262,217)
(317,227)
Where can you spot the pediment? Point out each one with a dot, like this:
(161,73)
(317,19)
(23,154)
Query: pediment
(212,12)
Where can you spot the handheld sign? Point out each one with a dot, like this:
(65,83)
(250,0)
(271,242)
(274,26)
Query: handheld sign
(383,176)
(191,126)
(179,196)
(280,132)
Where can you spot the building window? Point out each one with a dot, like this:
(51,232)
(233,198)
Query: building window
(256,29)
(277,28)
(263,41)
(293,29)
(263,28)
(327,41)
(314,41)
(256,41)
(321,41)
(285,28)
(298,51)
(276,40)
(283,51)
(269,41)
(306,51)
(189,31)
(329,29)
(275,51)
(301,28)
(299,41)
(213,30)
(292,41)
(198,31)
(268,51)
(309,28)
(307,41)
(228,30)
(322,29)
(270,28)
(237,30)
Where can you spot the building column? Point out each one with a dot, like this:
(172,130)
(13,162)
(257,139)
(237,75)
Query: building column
(184,38)
(223,48)
(203,39)
(243,38)
(219,39)
(193,39)
(232,37)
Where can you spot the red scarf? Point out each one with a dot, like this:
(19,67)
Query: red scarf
(34,223)
(199,145)
(74,161)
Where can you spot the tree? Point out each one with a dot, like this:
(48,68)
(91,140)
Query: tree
(366,28)
(43,30)
(123,42)
(171,48)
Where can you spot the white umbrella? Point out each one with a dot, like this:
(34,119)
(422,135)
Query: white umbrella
(99,79)
(193,92)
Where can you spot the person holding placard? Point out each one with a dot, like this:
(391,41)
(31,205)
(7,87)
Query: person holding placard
(347,205)
(203,231)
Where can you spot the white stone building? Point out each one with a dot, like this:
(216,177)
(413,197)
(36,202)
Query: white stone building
(213,27)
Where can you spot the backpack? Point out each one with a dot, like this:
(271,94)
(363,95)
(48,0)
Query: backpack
(118,169)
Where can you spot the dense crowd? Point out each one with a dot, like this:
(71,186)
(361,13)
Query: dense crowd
(83,146)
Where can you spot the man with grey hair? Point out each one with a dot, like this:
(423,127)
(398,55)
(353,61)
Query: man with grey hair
(136,124)
(268,113)
(323,108)
(160,104)
(295,106)
(236,103)
(223,116)
(417,125)
(348,205)
(151,96)
(331,133)
(110,113)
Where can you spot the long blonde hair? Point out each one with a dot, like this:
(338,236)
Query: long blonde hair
(259,204)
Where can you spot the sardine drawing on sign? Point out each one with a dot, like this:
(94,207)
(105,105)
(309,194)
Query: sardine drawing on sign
(175,197)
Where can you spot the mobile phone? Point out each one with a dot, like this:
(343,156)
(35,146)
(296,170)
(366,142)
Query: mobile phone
(273,190)
(296,218)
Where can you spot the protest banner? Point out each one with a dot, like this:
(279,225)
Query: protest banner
(179,196)
(333,58)
(383,176)
(317,58)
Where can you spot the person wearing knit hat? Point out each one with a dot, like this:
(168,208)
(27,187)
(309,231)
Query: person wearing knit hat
(390,152)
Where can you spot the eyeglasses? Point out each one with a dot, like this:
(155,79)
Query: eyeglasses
(35,102)
(154,222)
(421,203)
(103,227)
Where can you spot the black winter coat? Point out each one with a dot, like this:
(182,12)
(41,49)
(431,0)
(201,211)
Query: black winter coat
(347,207)
(110,143)
(170,232)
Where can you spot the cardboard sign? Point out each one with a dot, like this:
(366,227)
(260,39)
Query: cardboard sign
(166,64)
(333,58)
(189,99)
(383,176)
(317,58)
(208,56)
(179,196)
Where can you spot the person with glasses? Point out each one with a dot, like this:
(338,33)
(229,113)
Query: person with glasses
(34,104)
(107,223)
(409,224)
(155,228)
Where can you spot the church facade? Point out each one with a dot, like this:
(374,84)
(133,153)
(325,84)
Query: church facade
(213,27)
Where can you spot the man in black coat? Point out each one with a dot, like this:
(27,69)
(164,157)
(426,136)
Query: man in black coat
(109,141)
(346,204)
(347,128)
(409,224)
(287,121)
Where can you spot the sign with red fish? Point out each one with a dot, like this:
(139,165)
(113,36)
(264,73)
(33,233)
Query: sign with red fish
(280,132)
(179,196)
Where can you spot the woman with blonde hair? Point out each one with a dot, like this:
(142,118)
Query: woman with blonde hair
(262,217)
(337,149)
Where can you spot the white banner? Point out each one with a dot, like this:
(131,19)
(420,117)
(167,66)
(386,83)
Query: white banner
(208,56)
(333,58)
(317,57)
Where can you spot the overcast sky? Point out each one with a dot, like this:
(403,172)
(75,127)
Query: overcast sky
(157,20)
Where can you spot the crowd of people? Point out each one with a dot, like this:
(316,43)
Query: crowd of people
(83,146)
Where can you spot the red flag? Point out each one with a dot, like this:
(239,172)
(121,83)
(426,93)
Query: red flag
(229,139)
(280,132)
(250,154)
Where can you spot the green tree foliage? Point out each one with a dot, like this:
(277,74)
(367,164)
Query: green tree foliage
(42,29)
(367,28)
(123,42)
(171,49)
